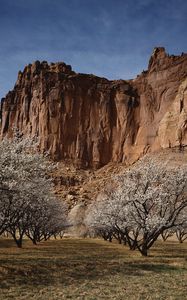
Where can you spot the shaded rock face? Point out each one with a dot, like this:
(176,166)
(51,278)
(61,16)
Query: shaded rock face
(76,218)
(162,89)
(92,121)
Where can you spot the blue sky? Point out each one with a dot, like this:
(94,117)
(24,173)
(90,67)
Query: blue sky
(109,38)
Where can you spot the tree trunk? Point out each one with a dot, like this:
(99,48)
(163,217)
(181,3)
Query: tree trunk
(18,242)
(119,241)
(144,250)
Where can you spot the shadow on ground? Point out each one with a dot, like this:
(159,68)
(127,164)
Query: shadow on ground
(65,262)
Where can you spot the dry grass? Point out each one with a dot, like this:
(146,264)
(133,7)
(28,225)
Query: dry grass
(90,270)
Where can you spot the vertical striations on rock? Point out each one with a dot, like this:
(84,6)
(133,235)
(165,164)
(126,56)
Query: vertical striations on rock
(92,121)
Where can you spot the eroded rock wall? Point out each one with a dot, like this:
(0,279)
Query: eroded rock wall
(92,121)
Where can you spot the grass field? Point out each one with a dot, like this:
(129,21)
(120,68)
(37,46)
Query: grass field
(91,269)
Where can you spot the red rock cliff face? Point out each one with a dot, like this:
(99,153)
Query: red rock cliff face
(92,121)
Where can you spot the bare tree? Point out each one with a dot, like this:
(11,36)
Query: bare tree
(181,229)
(167,233)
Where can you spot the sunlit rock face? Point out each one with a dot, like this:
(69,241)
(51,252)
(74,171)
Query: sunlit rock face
(91,121)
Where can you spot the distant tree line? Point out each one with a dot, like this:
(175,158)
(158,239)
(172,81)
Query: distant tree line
(28,206)
(147,201)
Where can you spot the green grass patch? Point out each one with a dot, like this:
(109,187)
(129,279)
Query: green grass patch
(91,269)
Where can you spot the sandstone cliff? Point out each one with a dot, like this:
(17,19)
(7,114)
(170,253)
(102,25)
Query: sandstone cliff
(92,121)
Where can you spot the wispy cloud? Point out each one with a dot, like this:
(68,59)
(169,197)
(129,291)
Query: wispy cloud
(109,38)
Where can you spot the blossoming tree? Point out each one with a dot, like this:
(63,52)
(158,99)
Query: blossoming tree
(149,198)
(27,202)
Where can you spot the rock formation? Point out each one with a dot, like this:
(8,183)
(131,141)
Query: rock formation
(92,121)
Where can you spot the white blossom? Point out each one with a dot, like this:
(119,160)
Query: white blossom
(148,198)
(27,202)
